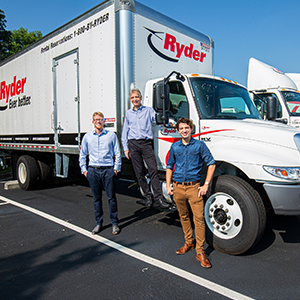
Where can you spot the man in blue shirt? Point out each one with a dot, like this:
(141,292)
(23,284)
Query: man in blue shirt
(137,140)
(101,145)
(188,156)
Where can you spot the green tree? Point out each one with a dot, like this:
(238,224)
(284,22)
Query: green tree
(21,38)
(4,37)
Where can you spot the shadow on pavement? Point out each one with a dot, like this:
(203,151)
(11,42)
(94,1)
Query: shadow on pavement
(288,227)
(30,274)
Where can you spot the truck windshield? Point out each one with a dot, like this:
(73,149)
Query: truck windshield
(292,100)
(222,100)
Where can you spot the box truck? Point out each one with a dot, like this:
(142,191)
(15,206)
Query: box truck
(266,81)
(50,90)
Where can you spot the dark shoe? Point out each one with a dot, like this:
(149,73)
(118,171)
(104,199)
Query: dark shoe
(115,229)
(160,203)
(97,229)
(146,202)
(186,247)
(205,263)
(142,202)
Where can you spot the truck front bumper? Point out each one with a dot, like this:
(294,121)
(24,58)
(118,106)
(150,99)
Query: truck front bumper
(285,199)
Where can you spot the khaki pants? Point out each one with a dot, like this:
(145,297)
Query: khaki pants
(182,196)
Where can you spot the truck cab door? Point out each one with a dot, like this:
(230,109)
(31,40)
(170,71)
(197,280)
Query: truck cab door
(281,110)
(164,136)
(66,100)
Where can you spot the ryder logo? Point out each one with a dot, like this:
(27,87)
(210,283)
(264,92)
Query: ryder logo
(177,50)
(14,88)
(167,131)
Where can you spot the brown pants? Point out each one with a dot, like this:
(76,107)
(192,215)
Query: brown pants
(182,196)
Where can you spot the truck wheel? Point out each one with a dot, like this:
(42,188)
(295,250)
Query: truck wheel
(234,214)
(27,172)
(45,171)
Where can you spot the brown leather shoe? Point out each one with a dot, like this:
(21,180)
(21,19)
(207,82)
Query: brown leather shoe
(205,263)
(186,247)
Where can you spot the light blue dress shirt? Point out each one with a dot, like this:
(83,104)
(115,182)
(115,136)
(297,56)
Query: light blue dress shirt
(101,149)
(138,125)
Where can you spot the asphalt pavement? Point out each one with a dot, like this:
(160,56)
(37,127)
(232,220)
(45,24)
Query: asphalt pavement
(48,252)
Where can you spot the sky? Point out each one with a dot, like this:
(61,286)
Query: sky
(266,30)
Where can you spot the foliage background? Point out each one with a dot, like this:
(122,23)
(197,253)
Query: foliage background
(12,41)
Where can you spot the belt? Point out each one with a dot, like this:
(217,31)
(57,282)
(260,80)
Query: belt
(100,167)
(140,140)
(187,182)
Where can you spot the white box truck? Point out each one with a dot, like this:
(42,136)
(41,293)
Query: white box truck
(50,90)
(266,81)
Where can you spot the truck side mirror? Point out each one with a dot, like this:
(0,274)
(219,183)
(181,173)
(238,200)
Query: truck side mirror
(271,111)
(161,95)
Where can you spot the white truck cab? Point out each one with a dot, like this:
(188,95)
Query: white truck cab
(265,81)
(258,162)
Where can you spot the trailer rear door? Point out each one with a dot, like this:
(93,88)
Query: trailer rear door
(66,99)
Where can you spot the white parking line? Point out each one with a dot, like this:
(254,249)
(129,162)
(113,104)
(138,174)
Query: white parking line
(135,254)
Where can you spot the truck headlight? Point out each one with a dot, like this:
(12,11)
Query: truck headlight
(284,173)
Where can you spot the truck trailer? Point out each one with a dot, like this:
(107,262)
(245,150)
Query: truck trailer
(50,89)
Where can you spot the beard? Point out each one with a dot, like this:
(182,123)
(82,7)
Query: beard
(99,127)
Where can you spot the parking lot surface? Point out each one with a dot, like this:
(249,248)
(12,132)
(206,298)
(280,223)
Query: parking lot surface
(48,252)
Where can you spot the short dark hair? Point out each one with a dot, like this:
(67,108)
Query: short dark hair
(185,121)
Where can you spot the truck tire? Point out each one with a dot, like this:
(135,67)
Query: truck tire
(44,171)
(234,214)
(27,172)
